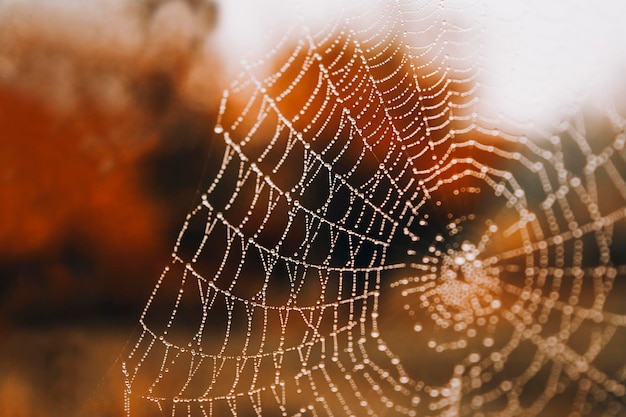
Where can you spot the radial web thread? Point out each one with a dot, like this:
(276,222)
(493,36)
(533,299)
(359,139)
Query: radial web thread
(372,243)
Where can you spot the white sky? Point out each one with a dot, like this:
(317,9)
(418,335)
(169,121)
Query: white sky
(542,57)
(539,56)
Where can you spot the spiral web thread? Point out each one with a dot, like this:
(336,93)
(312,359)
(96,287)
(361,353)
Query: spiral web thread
(372,245)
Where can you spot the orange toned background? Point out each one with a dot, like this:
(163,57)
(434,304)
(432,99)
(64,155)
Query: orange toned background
(106,117)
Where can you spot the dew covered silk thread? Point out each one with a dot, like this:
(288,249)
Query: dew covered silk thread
(372,243)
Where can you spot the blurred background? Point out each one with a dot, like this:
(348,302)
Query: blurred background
(106,126)
(106,121)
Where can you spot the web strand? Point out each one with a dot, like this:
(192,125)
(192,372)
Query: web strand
(371,245)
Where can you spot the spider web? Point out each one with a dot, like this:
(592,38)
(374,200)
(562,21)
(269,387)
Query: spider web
(371,245)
